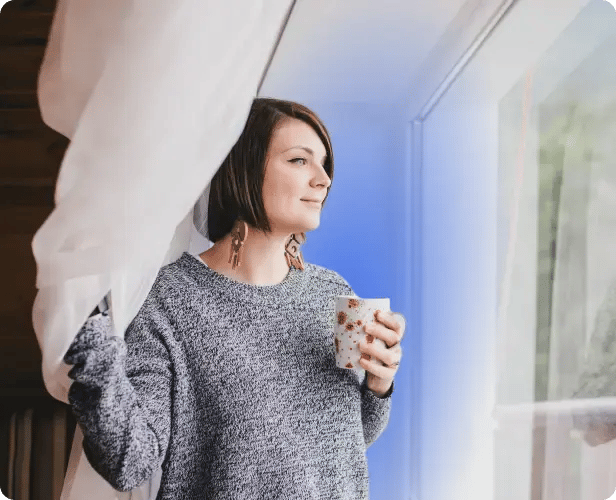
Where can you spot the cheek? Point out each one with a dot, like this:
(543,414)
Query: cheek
(280,202)
(284,194)
(282,191)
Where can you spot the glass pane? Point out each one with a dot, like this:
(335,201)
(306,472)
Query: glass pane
(560,118)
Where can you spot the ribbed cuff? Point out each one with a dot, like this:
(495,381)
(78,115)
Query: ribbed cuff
(388,394)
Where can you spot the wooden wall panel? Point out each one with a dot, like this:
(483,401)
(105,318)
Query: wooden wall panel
(20,356)
(30,157)
(29,6)
(18,271)
(18,99)
(25,158)
(19,67)
(25,195)
(15,121)
(21,363)
(22,220)
(24,27)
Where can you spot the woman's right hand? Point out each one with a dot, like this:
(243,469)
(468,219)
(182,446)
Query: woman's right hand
(112,398)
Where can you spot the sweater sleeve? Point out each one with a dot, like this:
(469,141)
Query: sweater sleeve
(375,413)
(121,396)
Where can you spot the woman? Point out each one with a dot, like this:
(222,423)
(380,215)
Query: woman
(227,377)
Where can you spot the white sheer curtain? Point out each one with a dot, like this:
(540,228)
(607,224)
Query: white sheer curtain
(582,337)
(517,307)
(153,95)
(567,312)
(582,342)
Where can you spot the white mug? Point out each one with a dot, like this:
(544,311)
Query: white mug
(351,315)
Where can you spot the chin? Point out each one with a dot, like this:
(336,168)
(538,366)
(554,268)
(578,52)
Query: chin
(301,224)
(304,228)
(313,226)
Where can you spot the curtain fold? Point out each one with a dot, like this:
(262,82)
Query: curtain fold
(570,193)
(152,95)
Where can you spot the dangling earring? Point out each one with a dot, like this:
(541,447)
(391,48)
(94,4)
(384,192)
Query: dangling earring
(239,235)
(292,253)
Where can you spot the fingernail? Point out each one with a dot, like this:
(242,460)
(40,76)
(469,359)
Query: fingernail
(366,356)
(369,339)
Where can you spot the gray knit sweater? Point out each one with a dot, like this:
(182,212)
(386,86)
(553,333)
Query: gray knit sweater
(231,387)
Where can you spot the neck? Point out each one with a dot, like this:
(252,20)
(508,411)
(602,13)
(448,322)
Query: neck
(262,258)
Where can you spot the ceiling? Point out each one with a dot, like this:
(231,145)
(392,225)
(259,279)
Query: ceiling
(356,51)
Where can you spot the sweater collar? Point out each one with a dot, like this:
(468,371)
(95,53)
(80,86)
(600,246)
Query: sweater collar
(289,288)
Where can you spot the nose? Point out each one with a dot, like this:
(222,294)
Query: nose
(321,178)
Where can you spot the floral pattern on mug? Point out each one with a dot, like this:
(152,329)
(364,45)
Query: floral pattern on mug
(352,314)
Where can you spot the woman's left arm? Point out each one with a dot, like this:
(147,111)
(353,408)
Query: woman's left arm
(381,362)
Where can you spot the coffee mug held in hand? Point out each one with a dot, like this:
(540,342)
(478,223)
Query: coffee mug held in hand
(352,314)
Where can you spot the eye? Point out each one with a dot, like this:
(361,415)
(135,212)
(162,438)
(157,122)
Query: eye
(295,159)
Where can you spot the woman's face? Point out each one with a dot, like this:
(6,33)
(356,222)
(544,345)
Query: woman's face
(294,174)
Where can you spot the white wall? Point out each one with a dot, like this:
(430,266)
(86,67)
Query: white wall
(459,194)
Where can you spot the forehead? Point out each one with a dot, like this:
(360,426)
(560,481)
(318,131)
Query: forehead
(293,132)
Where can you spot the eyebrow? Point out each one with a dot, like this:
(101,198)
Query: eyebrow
(305,149)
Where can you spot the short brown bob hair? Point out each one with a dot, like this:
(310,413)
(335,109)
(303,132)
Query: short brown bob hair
(236,188)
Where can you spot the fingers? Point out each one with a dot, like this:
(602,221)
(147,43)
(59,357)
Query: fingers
(386,328)
(375,351)
(377,369)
